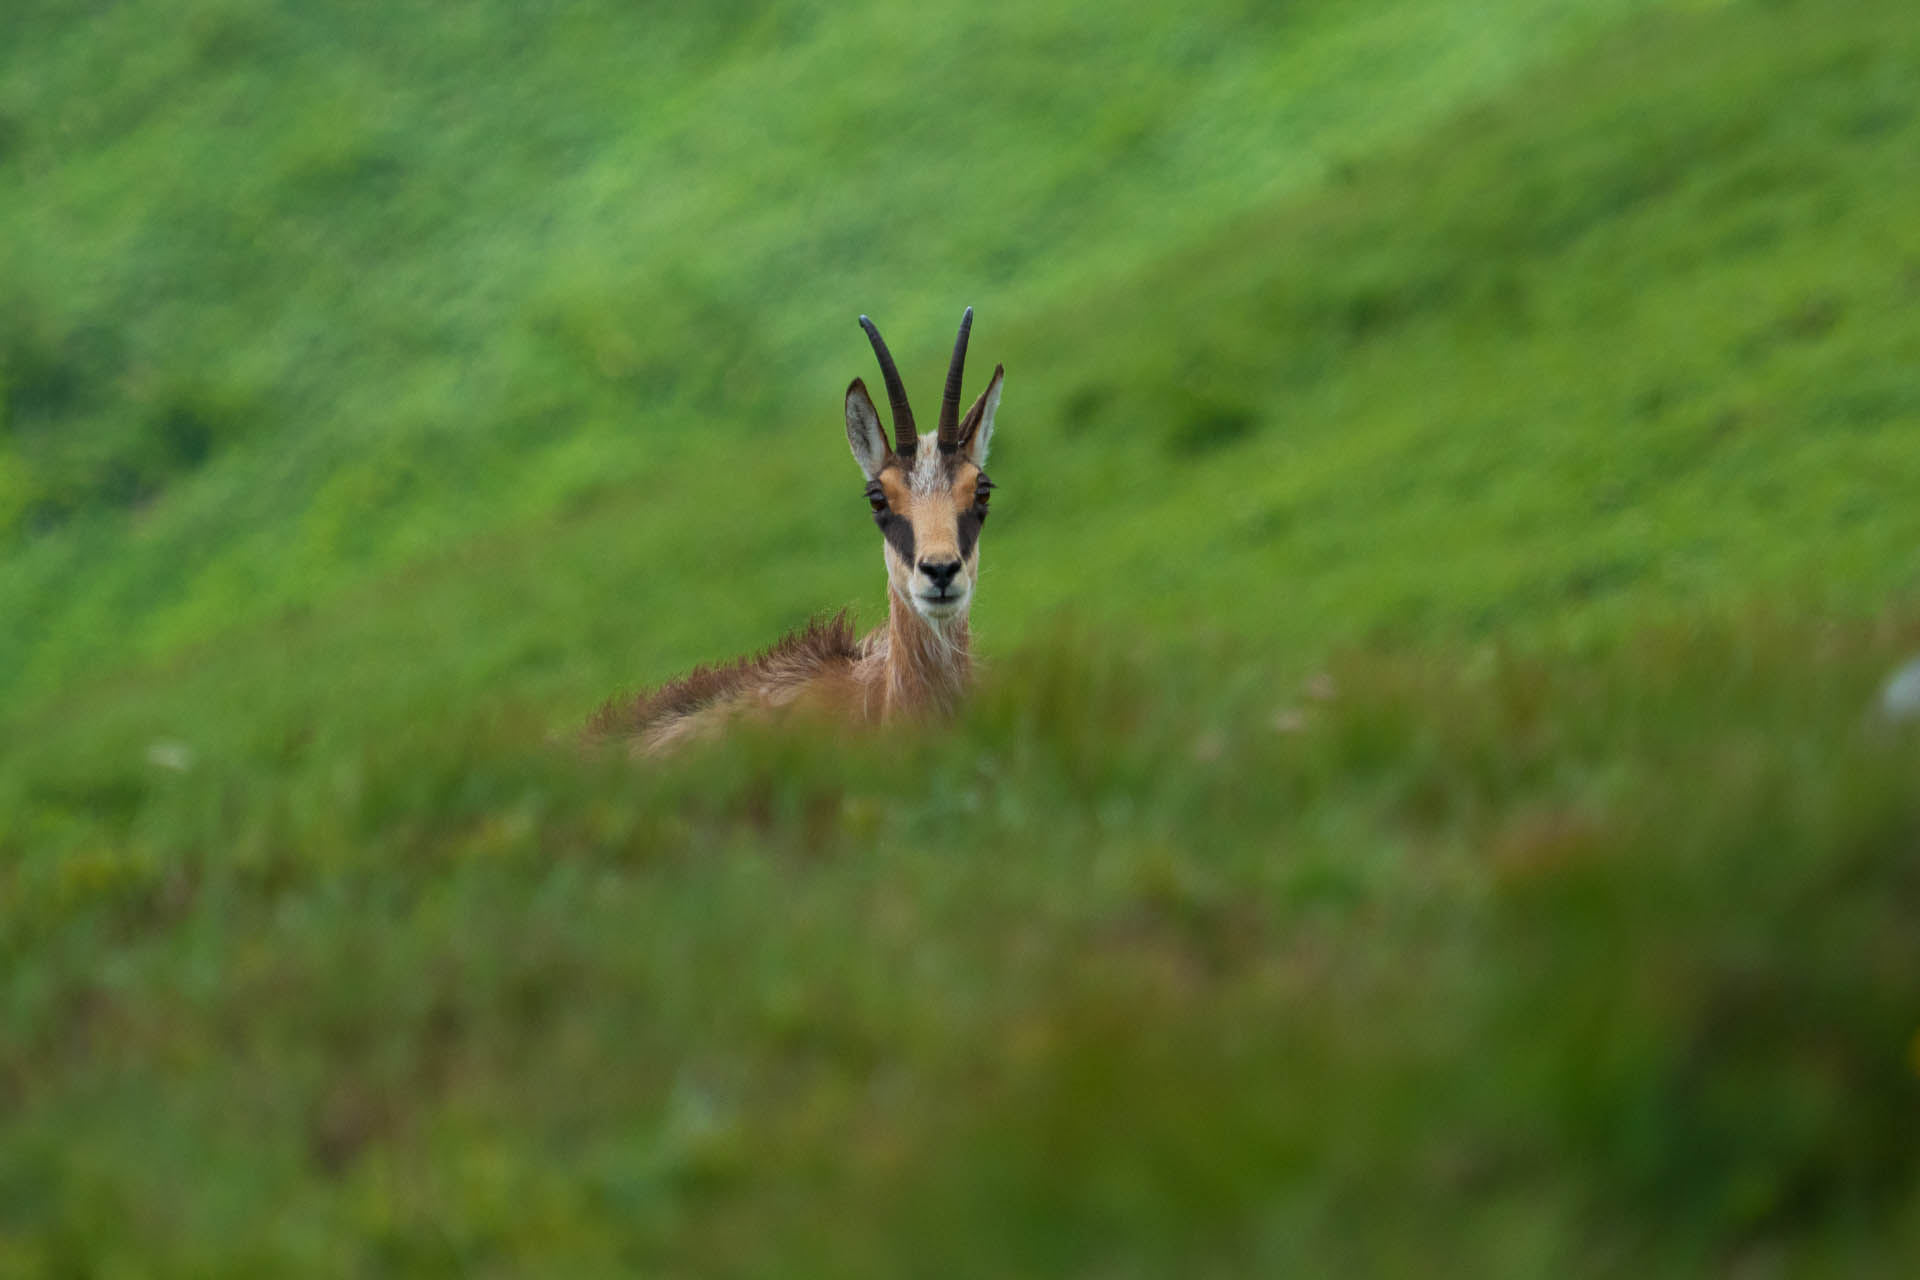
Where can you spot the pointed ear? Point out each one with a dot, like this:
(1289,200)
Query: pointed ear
(864,436)
(976,429)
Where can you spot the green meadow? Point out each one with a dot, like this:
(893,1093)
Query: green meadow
(1421,813)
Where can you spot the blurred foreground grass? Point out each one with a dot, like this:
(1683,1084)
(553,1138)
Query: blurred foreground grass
(1142,966)
(367,388)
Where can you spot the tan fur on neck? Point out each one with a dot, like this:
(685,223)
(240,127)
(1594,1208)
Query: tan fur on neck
(927,667)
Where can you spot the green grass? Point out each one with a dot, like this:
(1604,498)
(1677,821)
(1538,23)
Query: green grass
(311,295)
(1419,813)
(1574,967)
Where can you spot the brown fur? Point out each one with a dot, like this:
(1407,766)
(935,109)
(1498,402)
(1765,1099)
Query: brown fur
(920,667)
(899,669)
(823,647)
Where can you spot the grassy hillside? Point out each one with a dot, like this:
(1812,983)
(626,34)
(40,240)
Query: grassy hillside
(1419,815)
(297,295)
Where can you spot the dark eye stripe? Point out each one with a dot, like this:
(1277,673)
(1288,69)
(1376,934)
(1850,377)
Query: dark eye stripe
(969,530)
(898,532)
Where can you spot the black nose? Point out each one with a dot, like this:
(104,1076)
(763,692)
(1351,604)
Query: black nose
(940,571)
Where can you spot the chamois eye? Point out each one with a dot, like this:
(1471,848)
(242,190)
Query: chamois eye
(877,497)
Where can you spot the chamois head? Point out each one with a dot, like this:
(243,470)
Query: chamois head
(928,492)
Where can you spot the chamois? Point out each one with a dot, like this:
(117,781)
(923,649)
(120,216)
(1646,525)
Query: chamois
(929,497)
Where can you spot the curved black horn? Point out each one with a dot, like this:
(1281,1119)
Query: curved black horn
(905,435)
(956,372)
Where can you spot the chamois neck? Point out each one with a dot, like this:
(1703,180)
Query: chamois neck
(928,665)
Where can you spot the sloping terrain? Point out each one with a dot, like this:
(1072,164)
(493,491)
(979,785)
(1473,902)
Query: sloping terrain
(1420,813)
(296,294)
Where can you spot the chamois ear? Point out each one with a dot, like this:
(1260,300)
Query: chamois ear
(864,436)
(976,429)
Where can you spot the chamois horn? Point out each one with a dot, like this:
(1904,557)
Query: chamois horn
(905,435)
(956,371)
